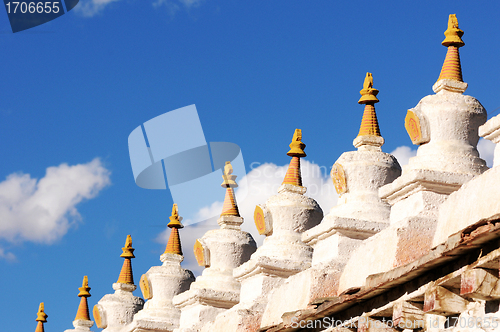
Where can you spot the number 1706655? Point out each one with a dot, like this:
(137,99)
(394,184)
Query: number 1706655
(33,7)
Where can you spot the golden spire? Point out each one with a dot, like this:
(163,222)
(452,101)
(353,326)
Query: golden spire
(369,131)
(83,308)
(41,318)
(293,175)
(297,147)
(174,241)
(175,220)
(368,93)
(229,208)
(453,34)
(452,69)
(126,276)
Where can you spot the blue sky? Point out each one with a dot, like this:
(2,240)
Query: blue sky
(72,90)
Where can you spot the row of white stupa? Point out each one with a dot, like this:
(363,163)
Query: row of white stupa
(305,255)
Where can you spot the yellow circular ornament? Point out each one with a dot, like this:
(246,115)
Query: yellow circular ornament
(199,253)
(338,177)
(259,219)
(146,289)
(412,125)
(99,317)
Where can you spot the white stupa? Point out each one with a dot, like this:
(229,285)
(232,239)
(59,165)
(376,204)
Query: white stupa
(114,312)
(220,251)
(282,219)
(82,320)
(161,283)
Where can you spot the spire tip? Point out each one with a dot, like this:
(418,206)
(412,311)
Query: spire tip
(84,290)
(229,207)
(368,93)
(228,177)
(175,219)
(41,315)
(128,251)
(297,146)
(453,34)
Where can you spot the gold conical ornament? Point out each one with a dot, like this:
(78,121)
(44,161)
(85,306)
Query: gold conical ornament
(83,308)
(369,132)
(174,241)
(368,93)
(293,175)
(229,208)
(450,77)
(41,318)
(126,276)
(452,68)
(175,220)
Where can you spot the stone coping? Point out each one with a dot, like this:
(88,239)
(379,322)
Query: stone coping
(157,319)
(270,266)
(121,287)
(352,228)
(449,85)
(491,129)
(168,258)
(416,180)
(232,222)
(206,296)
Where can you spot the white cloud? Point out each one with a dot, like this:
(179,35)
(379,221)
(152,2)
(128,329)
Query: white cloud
(208,212)
(191,3)
(174,5)
(8,256)
(486,150)
(403,154)
(43,210)
(89,8)
(259,184)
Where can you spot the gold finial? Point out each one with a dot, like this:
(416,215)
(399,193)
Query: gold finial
(450,77)
(228,177)
(297,147)
(174,241)
(128,251)
(84,290)
(83,308)
(175,220)
(368,93)
(41,315)
(293,175)
(369,132)
(41,318)
(175,211)
(453,34)
(229,208)
(126,276)
(369,122)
